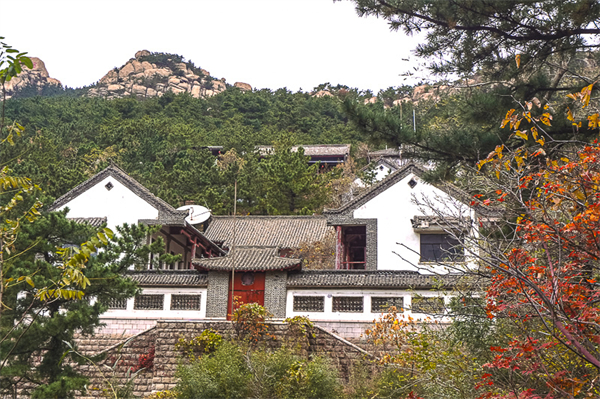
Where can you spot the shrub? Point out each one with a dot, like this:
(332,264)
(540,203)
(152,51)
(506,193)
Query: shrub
(229,373)
(207,342)
(223,374)
(249,322)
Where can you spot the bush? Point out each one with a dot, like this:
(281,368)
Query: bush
(229,373)
(224,374)
(283,374)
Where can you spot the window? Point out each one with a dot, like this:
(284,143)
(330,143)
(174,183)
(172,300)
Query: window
(382,304)
(354,247)
(348,304)
(428,305)
(114,303)
(440,248)
(309,304)
(185,302)
(149,302)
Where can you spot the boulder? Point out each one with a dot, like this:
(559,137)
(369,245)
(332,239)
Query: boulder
(173,81)
(111,77)
(196,90)
(142,53)
(205,72)
(371,100)
(176,89)
(137,66)
(138,90)
(150,92)
(243,86)
(146,65)
(323,93)
(113,87)
(126,71)
(218,85)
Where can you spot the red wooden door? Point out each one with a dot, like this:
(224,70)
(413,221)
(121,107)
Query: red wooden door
(249,287)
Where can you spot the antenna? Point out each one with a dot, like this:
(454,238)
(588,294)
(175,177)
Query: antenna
(196,213)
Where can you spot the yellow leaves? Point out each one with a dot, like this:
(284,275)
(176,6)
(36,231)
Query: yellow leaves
(593,121)
(518,60)
(507,118)
(521,134)
(546,118)
(570,115)
(587,93)
(584,96)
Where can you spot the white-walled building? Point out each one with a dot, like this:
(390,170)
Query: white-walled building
(386,239)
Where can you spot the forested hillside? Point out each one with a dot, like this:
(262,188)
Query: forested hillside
(161,142)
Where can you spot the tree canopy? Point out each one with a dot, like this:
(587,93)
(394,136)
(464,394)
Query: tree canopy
(466,35)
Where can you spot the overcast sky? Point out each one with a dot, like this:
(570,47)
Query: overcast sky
(266,43)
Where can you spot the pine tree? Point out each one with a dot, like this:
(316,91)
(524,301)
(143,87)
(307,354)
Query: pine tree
(34,352)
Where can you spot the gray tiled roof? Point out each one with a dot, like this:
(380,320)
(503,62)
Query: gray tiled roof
(312,150)
(381,161)
(368,279)
(169,278)
(267,231)
(388,152)
(94,222)
(248,259)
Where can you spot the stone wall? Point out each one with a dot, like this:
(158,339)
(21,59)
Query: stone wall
(351,330)
(162,339)
(276,293)
(217,294)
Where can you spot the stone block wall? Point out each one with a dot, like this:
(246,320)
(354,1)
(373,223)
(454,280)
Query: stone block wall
(353,331)
(125,327)
(276,293)
(217,294)
(165,335)
(120,358)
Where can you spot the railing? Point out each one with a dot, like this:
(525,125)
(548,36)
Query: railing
(353,265)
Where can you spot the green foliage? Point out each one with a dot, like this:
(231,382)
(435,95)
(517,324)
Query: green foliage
(207,342)
(224,374)
(284,374)
(230,373)
(161,143)
(464,36)
(53,322)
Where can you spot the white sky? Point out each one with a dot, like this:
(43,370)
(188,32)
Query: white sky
(266,43)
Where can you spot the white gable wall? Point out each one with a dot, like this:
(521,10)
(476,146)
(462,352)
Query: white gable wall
(119,205)
(393,209)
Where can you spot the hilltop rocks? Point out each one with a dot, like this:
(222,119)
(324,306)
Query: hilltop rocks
(37,77)
(243,86)
(149,75)
(323,93)
(141,53)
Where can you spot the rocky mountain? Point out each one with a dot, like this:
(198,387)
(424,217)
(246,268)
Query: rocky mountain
(146,75)
(153,74)
(36,78)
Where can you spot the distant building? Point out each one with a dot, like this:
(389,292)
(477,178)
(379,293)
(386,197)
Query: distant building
(326,154)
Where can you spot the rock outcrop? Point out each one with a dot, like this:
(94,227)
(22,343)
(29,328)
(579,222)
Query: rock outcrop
(243,86)
(36,77)
(151,75)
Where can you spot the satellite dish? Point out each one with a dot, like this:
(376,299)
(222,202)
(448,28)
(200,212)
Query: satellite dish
(196,213)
